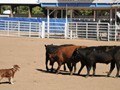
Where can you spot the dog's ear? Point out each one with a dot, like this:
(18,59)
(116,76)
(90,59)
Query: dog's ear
(16,66)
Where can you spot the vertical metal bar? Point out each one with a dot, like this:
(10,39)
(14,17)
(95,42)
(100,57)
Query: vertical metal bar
(8,34)
(66,15)
(30,29)
(110,16)
(66,28)
(40,28)
(71,34)
(108,32)
(43,30)
(86,30)
(48,23)
(76,29)
(18,29)
(94,19)
(115,26)
(115,16)
(97,32)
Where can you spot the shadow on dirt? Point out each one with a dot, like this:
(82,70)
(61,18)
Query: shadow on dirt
(62,72)
(4,82)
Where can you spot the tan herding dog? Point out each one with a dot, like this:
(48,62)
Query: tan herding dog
(9,73)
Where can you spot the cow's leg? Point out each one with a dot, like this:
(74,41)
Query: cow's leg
(118,69)
(59,65)
(70,68)
(94,68)
(64,67)
(82,65)
(88,70)
(111,68)
(46,62)
(52,67)
(74,67)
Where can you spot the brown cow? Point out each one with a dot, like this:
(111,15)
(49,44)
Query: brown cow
(63,55)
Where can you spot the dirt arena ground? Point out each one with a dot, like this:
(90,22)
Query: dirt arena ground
(29,54)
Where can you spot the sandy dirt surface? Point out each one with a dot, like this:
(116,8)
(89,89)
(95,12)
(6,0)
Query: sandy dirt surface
(29,54)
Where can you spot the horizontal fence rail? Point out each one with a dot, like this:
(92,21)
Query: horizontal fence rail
(83,30)
(20,29)
(54,30)
(97,31)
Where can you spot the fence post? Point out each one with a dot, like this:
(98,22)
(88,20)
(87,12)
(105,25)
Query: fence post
(86,30)
(8,29)
(98,38)
(71,34)
(43,30)
(18,29)
(108,32)
(76,30)
(30,29)
(115,32)
(66,27)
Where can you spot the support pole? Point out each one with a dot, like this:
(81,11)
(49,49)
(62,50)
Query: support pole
(94,19)
(115,16)
(66,24)
(66,15)
(71,14)
(48,23)
(110,16)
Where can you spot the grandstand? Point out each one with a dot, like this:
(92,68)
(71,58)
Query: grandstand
(73,25)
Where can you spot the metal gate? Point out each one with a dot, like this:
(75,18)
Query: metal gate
(93,30)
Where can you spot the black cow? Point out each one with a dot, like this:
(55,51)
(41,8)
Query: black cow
(99,54)
(50,49)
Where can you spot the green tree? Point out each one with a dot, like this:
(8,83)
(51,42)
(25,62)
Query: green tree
(37,10)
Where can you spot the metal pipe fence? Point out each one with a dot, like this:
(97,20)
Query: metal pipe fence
(82,30)
(20,29)
(93,30)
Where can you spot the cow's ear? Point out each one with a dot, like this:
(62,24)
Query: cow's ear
(45,45)
(51,44)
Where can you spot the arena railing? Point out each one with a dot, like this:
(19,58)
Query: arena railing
(79,30)
(96,31)
(21,29)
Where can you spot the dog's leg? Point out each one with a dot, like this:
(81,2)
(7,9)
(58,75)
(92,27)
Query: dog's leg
(11,80)
(1,79)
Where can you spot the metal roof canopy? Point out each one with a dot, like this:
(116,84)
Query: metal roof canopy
(87,6)
(76,4)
